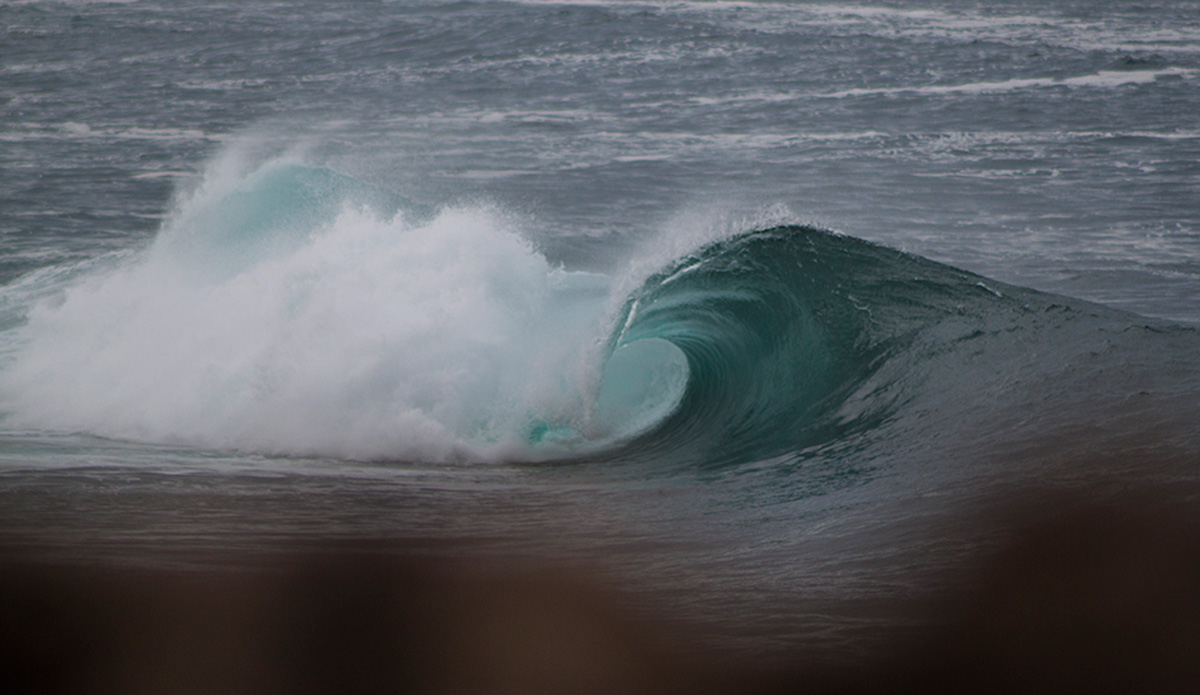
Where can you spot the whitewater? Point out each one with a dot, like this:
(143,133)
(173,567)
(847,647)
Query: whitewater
(763,311)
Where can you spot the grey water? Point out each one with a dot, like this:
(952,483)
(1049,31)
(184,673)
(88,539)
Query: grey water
(1048,153)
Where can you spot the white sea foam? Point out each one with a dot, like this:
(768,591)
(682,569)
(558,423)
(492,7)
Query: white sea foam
(372,337)
(1103,79)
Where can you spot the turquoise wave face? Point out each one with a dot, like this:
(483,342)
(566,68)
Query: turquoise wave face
(793,338)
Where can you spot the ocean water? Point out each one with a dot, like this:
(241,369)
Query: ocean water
(758,308)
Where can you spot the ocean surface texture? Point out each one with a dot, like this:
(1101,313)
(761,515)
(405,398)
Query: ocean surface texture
(758,309)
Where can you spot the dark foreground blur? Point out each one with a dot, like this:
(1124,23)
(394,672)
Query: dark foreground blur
(1095,599)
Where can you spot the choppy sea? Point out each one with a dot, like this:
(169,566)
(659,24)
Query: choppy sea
(757,307)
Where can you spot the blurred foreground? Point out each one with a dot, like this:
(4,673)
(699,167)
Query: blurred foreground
(1084,599)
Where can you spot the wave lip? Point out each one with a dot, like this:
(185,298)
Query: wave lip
(768,346)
